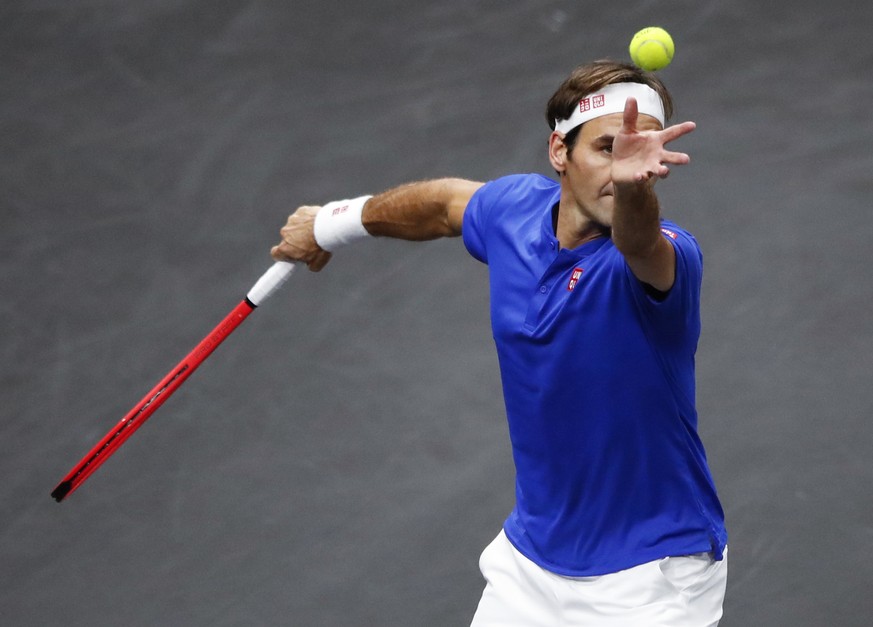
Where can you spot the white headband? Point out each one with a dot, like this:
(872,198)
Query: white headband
(611,99)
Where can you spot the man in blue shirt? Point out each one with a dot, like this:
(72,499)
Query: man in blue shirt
(595,312)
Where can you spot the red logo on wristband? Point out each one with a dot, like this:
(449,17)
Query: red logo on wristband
(339,210)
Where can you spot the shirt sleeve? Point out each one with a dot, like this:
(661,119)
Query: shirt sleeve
(473,228)
(679,312)
(488,202)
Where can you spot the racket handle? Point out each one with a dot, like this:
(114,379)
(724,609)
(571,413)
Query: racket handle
(272,280)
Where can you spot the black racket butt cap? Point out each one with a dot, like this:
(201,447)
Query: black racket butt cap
(62,490)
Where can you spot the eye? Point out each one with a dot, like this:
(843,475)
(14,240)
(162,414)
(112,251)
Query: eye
(603,144)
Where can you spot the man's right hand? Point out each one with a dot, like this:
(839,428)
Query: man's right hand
(298,241)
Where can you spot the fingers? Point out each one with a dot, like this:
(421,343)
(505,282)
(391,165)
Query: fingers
(675,158)
(315,261)
(668,157)
(677,130)
(298,241)
(631,115)
(319,260)
(660,172)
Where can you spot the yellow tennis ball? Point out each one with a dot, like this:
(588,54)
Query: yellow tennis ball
(652,49)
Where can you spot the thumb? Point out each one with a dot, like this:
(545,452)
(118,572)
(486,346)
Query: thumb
(631,113)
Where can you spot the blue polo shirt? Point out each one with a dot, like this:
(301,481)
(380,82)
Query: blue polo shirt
(598,382)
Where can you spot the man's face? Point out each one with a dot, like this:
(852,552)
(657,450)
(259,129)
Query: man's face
(587,180)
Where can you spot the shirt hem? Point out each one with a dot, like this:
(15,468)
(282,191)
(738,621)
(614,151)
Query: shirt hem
(616,565)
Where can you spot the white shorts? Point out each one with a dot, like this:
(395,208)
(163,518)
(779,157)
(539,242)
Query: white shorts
(683,591)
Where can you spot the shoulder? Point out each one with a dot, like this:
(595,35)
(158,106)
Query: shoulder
(514,191)
(689,262)
(681,238)
(675,231)
(505,205)
(518,185)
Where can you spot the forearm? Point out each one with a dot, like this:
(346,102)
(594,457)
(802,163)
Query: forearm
(636,221)
(639,159)
(636,233)
(419,211)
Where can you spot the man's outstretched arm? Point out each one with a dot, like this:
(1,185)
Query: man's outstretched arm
(417,211)
(639,160)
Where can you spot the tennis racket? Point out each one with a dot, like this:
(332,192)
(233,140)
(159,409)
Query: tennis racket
(271,281)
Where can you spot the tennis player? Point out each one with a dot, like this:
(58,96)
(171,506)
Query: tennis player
(595,310)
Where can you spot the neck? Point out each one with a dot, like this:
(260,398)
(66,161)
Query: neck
(573,228)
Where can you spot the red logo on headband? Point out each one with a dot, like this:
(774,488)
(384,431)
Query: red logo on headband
(591,102)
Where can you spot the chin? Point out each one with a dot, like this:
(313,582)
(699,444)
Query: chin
(604,218)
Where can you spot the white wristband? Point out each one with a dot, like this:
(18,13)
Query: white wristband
(338,223)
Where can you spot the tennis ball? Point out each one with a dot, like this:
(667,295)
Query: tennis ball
(652,49)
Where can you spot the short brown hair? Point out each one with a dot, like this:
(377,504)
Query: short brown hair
(590,77)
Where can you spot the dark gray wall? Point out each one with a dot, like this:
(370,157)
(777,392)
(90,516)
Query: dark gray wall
(342,459)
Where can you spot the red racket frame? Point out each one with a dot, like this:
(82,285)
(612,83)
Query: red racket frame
(136,417)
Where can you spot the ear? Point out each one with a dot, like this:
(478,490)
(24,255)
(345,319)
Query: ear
(557,152)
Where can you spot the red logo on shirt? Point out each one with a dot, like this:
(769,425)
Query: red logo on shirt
(669,233)
(574,279)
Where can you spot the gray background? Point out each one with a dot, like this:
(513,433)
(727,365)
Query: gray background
(343,459)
